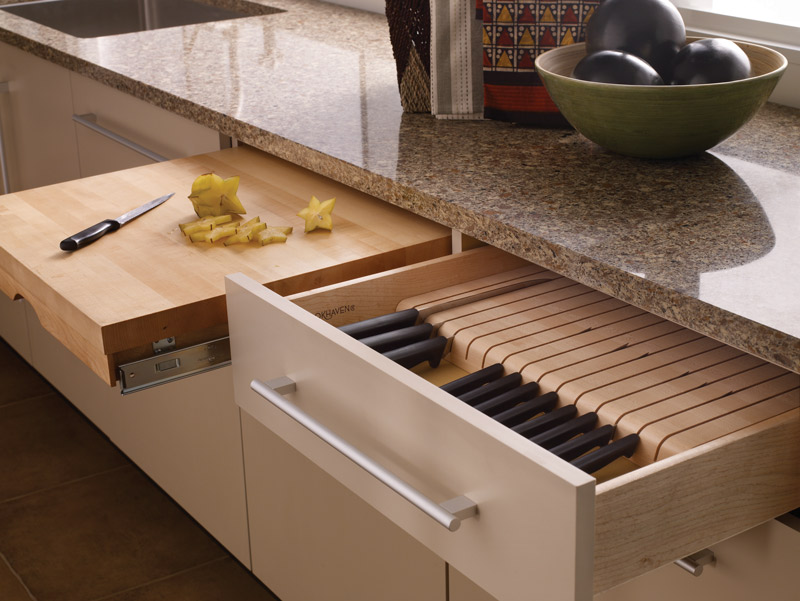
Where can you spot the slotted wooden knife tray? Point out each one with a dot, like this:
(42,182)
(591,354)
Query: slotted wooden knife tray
(673,387)
(720,429)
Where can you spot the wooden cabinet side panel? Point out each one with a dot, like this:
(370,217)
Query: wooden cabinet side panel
(312,538)
(685,503)
(379,294)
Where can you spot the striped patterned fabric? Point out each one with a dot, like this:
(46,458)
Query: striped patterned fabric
(514,33)
(456,67)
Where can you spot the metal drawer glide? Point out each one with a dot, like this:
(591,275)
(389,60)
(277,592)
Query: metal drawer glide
(173,365)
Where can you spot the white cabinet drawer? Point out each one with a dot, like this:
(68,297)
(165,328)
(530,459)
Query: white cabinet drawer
(147,126)
(542,524)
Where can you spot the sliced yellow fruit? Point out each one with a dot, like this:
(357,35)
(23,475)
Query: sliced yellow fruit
(274,233)
(219,232)
(204,224)
(318,214)
(245,232)
(212,195)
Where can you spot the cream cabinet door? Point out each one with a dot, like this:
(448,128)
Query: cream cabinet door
(185,435)
(123,123)
(36,114)
(312,539)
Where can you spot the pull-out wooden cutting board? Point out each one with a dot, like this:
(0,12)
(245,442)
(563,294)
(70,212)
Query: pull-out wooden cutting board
(110,300)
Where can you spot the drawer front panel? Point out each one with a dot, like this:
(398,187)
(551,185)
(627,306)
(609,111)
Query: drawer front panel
(535,512)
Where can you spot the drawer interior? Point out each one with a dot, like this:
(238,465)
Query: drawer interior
(712,421)
(638,373)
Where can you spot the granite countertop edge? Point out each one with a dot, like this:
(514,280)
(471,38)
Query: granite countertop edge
(733,329)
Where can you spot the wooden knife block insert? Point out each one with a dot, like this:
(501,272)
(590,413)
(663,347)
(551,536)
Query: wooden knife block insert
(673,387)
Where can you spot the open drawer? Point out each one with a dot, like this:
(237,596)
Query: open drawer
(541,527)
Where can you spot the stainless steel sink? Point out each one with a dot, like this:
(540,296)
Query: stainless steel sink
(94,18)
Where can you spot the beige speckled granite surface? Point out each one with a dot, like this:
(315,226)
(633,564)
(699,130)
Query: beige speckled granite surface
(711,242)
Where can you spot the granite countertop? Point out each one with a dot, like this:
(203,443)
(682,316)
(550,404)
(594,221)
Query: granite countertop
(711,242)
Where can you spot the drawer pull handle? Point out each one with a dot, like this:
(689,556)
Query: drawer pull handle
(3,162)
(449,514)
(694,563)
(89,120)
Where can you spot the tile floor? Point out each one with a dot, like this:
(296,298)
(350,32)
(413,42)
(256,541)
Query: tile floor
(80,522)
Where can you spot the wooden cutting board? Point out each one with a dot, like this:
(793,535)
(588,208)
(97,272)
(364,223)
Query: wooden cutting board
(109,301)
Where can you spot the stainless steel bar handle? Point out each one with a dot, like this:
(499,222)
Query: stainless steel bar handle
(3,163)
(449,514)
(89,120)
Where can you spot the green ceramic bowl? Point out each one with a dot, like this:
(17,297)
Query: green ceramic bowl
(658,121)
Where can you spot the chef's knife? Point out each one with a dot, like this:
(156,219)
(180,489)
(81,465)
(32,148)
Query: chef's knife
(90,234)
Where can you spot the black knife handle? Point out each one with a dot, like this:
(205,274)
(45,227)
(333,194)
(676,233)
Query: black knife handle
(545,422)
(89,235)
(380,324)
(492,389)
(507,400)
(562,433)
(474,380)
(397,338)
(591,462)
(525,411)
(575,447)
(431,350)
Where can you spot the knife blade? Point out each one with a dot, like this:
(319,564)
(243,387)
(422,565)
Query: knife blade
(95,232)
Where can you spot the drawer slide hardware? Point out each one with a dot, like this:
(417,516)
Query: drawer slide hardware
(169,365)
(694,563)
(449,514)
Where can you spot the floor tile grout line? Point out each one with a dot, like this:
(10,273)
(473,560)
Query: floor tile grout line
(62,484)
(162,579)
(17,576)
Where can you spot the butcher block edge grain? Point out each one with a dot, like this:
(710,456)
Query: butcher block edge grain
(109,301)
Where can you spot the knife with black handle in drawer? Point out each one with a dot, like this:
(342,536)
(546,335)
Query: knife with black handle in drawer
(396,336)
(504,397)
(98,230)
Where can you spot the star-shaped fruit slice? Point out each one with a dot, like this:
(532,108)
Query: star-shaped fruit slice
(245,232)
(212,195)
(274,233)
(318,214)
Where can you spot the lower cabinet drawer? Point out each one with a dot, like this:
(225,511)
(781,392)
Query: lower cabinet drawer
(508,514)
(758,564)
(312,538)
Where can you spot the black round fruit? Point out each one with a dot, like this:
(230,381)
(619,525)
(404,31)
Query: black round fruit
(710,60)
(612,66)
(653,30)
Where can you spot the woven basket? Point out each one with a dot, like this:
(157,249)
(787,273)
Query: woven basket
(410,32)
